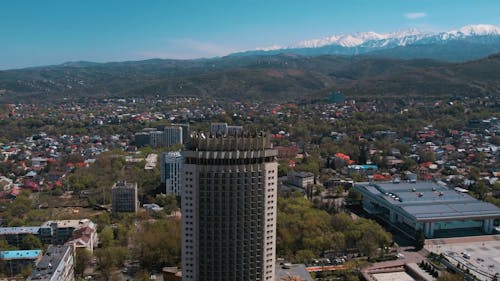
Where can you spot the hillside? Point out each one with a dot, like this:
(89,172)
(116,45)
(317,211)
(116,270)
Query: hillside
(252,77)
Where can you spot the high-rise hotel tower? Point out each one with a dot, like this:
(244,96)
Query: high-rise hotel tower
(229,208)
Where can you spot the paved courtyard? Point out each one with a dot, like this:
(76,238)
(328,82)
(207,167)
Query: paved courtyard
(393,276)
(481,254)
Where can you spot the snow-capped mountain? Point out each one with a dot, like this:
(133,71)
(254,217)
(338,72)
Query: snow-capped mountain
(357,39)
(478,40)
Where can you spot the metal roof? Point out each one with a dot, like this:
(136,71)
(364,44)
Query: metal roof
(430,201)
(19,230)
(50,262)
(18,255)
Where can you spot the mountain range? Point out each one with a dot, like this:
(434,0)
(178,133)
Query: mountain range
(274,78)
(462,62)
(467,43)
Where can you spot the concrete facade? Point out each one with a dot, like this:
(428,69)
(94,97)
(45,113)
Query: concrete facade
(229,209)
(124,197)
(300,179)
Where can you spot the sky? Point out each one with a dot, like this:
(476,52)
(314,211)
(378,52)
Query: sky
(36,32)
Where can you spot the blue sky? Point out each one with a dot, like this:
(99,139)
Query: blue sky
(38,32)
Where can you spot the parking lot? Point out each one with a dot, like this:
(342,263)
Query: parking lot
(480,255)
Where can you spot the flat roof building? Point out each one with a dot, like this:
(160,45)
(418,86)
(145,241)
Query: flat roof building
(300,179)
(124,197)
(14,235)
(13,262)
(56,265)
(434,208)
(82,233)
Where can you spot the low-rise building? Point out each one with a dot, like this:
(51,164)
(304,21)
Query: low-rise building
(300,179)
(80,233)
(56,265)
(434,209)
(15,235)
(13,262)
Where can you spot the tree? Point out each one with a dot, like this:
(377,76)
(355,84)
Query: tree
(480,189)
(30,242)
(16,222)
(354,197)
(82,259)
(447,276)
(474,173)
(367,245)
(4,246)
(428,156)
(168,202)
(158,244)
(356,177)
(102,220)
(419,240)
(304,255)
(108,259)
(106,237)
(338,241)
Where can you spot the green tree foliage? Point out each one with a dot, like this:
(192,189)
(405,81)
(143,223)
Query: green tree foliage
(82,259)
(31,242)
(106,237)
(447,276)
(354,197)
(428,156)
(419,240)
(17,212)
(102,220)
(157,244)
(106,171)
(4,246)
(480,190)
(302,227)
(283,168)
(168,202)
(109,259)
(304,255)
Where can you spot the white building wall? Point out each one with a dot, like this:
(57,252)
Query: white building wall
(271,209)
(189,203)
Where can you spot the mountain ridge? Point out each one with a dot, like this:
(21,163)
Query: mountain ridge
(273,78)
(485,37)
